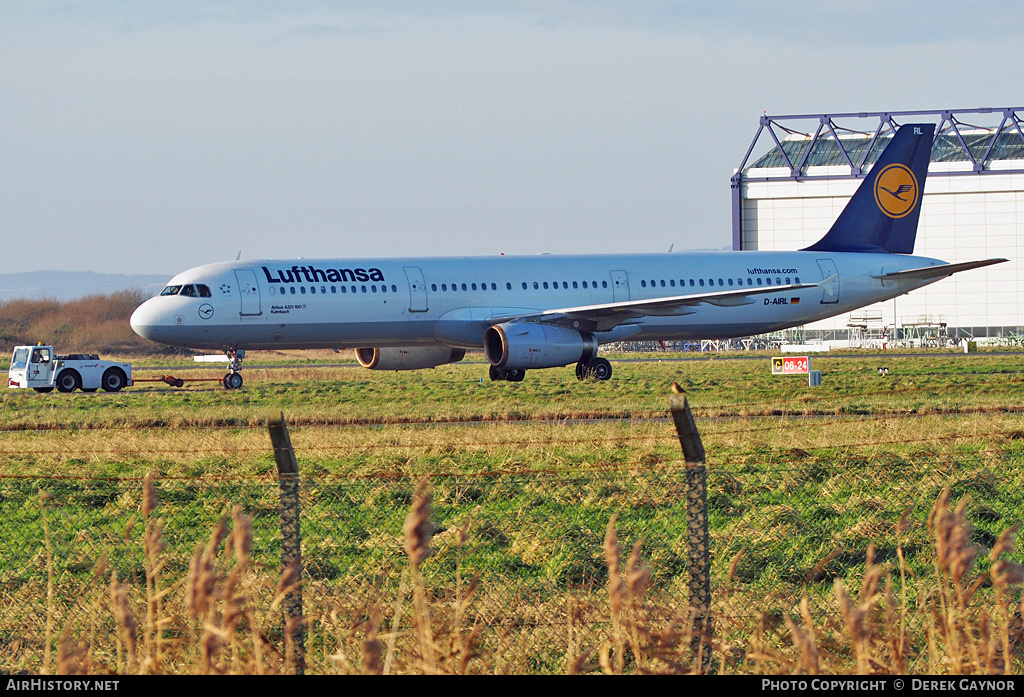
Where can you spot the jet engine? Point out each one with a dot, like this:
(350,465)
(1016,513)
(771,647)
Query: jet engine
(411,358)
(532,345)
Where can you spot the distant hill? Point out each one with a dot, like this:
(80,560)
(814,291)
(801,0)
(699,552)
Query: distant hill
(72,285)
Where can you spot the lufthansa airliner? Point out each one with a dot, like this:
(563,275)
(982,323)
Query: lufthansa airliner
(530,312)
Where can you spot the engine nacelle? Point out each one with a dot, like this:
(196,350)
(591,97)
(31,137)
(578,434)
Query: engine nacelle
(531,345)
(411,358)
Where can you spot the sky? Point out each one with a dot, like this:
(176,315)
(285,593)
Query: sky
(148,136)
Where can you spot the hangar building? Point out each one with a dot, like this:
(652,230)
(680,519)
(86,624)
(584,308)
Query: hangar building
(973,208)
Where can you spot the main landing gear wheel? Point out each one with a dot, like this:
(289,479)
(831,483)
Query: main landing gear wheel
(510,375)
(594,369)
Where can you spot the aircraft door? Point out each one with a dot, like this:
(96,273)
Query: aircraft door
(620,286)
(830,290)
(417,289)
(249,292)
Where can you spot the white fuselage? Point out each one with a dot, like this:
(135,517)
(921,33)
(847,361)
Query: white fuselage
(451,301)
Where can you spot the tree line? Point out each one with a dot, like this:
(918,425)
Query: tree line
(91,324)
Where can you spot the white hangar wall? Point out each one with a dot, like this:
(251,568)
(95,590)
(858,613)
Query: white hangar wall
(963,217)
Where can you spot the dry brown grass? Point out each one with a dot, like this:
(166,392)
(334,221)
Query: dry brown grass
(224,617)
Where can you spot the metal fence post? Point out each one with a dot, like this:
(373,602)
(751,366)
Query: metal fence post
(698,562)
(291,538)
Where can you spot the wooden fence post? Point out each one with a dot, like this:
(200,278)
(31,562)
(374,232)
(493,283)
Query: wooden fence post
(291,540)
(698,562)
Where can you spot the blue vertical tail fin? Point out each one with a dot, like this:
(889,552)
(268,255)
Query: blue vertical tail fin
(883,213)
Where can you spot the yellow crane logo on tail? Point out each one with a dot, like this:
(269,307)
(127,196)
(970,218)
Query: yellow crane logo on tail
(896,190)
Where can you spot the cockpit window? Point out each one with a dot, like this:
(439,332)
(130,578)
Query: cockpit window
(189,291)
(204,291)
(170,290)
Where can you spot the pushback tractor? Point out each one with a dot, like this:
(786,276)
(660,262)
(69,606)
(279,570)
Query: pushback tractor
(40,368)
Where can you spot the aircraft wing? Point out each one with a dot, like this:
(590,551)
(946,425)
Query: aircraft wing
(606,316)
(941,271)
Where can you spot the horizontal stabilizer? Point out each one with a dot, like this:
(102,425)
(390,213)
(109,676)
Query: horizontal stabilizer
(940,271)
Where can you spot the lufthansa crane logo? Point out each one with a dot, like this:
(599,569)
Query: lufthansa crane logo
(896,190)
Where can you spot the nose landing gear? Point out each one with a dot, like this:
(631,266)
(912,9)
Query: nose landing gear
(233,380)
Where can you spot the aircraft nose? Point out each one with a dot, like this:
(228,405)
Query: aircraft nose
(145,320)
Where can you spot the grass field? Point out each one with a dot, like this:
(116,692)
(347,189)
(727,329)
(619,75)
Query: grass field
(525,478)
